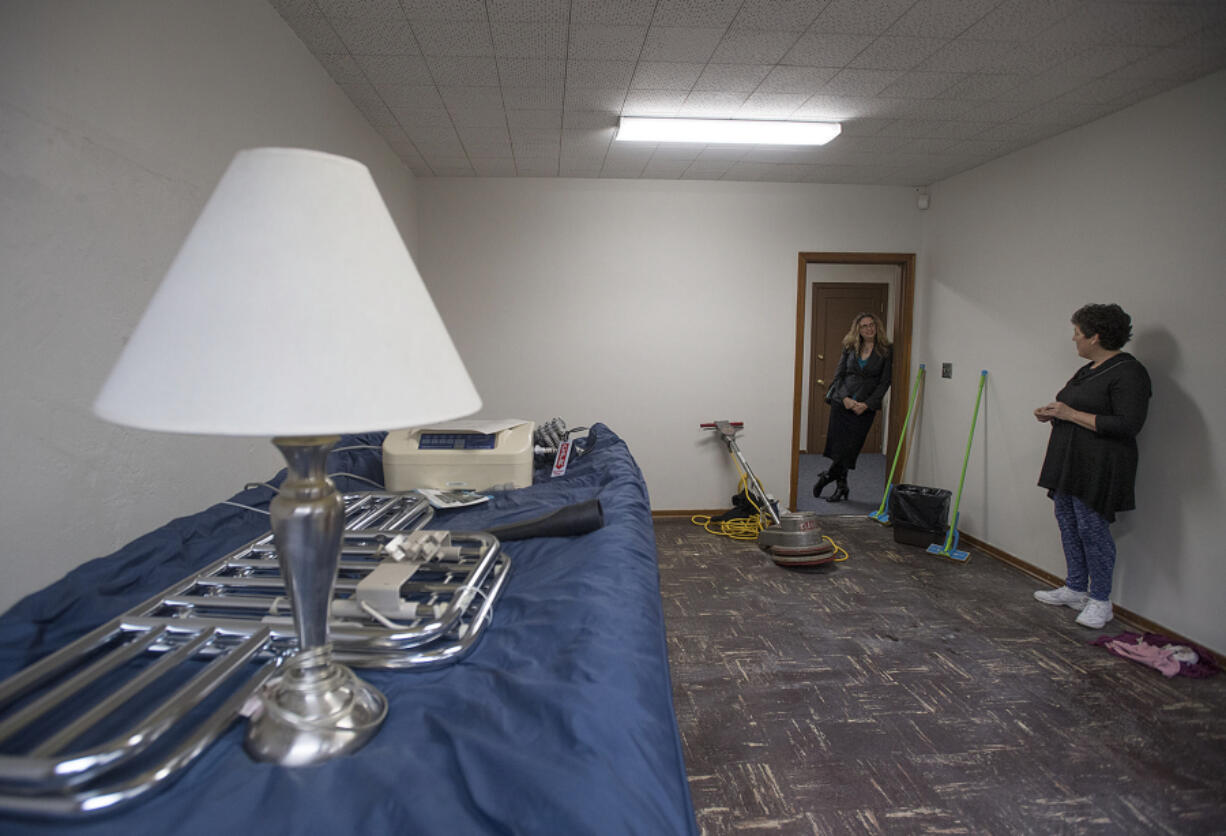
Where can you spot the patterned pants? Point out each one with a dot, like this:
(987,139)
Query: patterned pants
(1089,549)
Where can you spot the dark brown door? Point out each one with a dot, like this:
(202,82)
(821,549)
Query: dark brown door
(835,304)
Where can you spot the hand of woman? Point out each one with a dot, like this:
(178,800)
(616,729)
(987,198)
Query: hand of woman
(1041,415)
(859,407)
(1055,410)
(849,403)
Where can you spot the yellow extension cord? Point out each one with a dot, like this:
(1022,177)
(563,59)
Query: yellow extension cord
(748,528)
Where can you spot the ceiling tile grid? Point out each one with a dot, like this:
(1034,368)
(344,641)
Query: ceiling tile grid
(924,88)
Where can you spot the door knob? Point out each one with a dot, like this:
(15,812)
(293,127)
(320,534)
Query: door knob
(821,383)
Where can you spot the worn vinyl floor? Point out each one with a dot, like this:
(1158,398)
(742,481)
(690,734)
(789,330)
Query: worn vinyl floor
(899,692)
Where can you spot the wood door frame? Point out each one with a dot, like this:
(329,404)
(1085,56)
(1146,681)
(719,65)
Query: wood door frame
(900,384)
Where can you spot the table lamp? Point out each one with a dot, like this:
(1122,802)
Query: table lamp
(294,310)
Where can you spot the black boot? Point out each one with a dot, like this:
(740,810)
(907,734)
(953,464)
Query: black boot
(840,493)
(823,479)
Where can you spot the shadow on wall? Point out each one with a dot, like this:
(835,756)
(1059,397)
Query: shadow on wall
(1172,469)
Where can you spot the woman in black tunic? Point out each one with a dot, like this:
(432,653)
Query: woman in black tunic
(1091,464)
(855,394)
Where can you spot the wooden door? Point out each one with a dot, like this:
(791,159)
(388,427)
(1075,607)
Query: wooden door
(835,304)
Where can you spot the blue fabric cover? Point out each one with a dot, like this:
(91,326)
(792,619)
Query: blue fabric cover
(559,721)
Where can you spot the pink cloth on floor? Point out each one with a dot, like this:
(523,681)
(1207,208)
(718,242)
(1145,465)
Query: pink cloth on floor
(1147,654)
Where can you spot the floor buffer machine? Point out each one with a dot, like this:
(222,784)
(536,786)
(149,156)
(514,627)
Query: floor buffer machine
(791,538)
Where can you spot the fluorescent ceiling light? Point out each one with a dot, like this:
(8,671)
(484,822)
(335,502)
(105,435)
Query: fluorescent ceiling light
(726,131)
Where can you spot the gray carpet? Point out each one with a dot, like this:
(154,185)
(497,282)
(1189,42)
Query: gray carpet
(866,481)
(903,693)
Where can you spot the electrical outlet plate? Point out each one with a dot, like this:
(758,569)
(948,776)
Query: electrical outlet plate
(947,370)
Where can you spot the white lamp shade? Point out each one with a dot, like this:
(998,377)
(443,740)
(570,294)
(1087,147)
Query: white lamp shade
(293,308)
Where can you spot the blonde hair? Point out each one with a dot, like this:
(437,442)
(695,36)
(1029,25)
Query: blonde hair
(881,343)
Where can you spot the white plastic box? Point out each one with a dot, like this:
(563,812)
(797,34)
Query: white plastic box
(407,464)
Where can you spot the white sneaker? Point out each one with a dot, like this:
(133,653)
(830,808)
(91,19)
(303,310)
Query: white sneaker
(1062,597)
(1096,614)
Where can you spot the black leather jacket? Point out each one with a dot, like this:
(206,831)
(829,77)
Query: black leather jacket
(868,385)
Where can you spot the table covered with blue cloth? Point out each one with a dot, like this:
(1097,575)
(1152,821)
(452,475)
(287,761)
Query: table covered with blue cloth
(560,720)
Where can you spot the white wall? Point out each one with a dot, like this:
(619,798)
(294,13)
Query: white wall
(116,121)
(1129,209)
(651,306)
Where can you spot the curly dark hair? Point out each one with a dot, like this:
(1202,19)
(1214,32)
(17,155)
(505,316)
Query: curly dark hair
(1112,325)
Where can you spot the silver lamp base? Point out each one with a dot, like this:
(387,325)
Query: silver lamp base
(317,709)
(314,711)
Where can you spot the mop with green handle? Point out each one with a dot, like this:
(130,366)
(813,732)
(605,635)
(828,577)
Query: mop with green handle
(881,515)
(950,549)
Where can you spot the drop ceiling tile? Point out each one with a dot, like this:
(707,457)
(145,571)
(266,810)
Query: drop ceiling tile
(370,9)
(1064,113)
(941,18)
(860,82)
(586,143)
(376,113)
(493,166)
(666,43)
(921,85)
(342,68)
(771,105)
(933,129)
(712,105)
(751,46)
(1020,20)
(653,102)
(842,108)
(453,10)
(1104,90)
(422,117)
(657,169)
(861,127)
(529,40)
(539,119)
(661,75)
(1175,63)
(818,49)
(696,12)
(435,140)
(790,15)
(594,99)
(982,86)
(290,9)
(494,118)
(622,13)
(584,120)
(472,97)
(473,71)
(933,109)
(1001,111)
(491,137)
(678,152)
(532,72)
(606,75)
(398,68)
(891,52)
(366,36)
(392,133)
(533,98)
(785,79)
(412,96)
(731,78)
(606,43)
(457,38)
(860,17)
(1146,24)
(963,55)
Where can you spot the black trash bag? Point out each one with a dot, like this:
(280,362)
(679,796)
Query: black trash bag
(917,510)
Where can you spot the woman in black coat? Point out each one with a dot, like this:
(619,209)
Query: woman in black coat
(1091,463)
(855,394)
